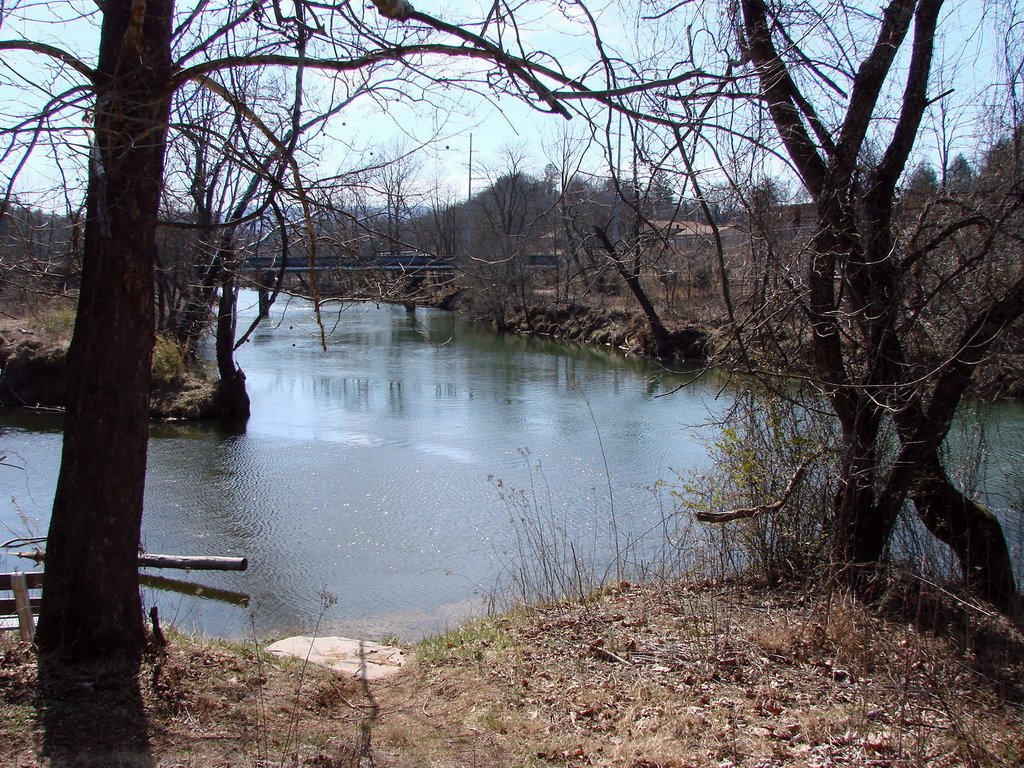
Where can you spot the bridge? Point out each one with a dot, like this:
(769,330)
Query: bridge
(403,261)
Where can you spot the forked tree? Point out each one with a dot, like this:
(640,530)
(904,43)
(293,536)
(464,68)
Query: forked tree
(91,607)
(884,300)
(871,286)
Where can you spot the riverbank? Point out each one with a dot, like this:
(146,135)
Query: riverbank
(35,343)
(683,674)
(614,322)
(33,347)
(610,321)
(618,328)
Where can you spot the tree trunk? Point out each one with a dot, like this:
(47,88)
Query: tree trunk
(970,530)
(855,302)
(91,608)
(632,279)
(231,395)
(861,526)
(194,317)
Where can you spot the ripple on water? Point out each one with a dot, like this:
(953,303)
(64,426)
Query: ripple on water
(364,470)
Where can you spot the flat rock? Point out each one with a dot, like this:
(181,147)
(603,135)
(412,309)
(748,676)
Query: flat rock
(343,655)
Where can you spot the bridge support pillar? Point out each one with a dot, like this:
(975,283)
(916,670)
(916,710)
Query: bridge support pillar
(266,280)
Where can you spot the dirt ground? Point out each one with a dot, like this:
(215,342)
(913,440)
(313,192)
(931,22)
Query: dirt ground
(673,675)
(680,675)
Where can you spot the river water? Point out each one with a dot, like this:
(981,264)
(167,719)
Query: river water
(408,470)
(386,470)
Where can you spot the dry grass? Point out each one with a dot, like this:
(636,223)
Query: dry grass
(50,320)
(640,677)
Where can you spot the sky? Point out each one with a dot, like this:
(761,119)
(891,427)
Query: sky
(496,126)
(359,135)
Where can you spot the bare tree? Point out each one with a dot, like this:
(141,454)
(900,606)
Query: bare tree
(97,510)
(507,221)
(861,280)
(443,230)
(395,181)
(91,608)
(860,300)
(634,234)
(852,287)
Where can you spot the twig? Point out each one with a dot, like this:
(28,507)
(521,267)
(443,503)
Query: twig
(22,541)
(745,513)
(357,707)
(607,655)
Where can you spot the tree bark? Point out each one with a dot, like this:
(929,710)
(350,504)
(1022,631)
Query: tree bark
(862,526)
(91,608)
(232,397)
(970,530)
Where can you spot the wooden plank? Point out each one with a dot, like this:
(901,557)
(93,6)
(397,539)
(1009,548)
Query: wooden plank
(26,622)
(17,612)
(8,607)
(33,579)
(182,562)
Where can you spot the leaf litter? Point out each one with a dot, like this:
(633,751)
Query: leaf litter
(679,675)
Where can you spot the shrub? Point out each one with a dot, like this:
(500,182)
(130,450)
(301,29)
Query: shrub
(59,321)
(765,441)
(168,361)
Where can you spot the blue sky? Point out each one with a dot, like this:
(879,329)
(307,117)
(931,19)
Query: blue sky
(966,45)
(451,117)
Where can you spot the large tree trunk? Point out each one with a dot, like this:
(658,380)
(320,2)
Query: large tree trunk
(91,608)
(970,530)
(861,525)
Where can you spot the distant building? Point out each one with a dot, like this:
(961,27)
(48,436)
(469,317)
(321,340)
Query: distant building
(684,231)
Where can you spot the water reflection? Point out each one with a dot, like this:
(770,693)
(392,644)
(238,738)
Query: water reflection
(371,470)
(364,469)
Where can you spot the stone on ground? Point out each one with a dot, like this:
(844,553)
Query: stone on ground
(343,655)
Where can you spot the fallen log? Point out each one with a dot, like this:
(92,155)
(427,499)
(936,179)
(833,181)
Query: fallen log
(193,562)
(745,513)
(181,562)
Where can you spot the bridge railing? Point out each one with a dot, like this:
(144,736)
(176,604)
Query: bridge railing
(405,261)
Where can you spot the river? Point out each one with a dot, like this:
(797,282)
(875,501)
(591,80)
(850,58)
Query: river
(408,471)
(386,470)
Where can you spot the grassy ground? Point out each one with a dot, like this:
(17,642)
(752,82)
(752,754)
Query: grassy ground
(640,676)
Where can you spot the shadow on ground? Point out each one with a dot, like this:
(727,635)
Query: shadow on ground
(92,716)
